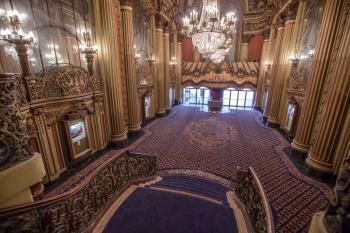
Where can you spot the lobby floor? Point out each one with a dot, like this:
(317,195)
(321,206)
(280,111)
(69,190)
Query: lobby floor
(190,141)
(217,143)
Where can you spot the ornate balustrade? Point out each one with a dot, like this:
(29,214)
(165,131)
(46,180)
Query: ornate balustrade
(78,209)
(250,192)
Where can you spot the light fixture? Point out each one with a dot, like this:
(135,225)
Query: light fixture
(209,32)
(14,35)
(89,50)
(173,61)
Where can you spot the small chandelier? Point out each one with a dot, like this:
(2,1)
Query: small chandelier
(209,32)
(14,34)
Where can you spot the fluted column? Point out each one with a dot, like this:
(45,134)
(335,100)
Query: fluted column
(173,55)
(153,53)
(275,61)
(160,65)
(295,11)
(318,74)
(262,70)
(279,81)
(166,68)
(106,27)
(321,155)
(178,70)
(130,67)
(245,47)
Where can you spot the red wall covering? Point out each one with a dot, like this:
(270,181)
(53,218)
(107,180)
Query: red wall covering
(187,49)
(255,47)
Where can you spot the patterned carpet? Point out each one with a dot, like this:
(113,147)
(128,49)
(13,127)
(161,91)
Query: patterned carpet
(218,143)
(176,204)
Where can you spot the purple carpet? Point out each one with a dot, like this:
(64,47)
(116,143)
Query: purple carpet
(154,211)
(218,143)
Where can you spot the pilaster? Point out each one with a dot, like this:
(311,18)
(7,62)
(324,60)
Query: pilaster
(160,65)
(110,67)
(321,156)
(324,45)
(275,60)
(133,105)
(166,68)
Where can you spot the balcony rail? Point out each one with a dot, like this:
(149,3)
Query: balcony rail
(251,193)
(78,209)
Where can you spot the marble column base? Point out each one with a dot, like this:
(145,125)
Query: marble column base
(300,147)
(119,137)
(272,123)
(257,107)
(317,224)
(317,165)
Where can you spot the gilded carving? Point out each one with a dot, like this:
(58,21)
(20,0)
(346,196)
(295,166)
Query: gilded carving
(248,193)
(77,212)
(13,131)
(337,216)
(56,82)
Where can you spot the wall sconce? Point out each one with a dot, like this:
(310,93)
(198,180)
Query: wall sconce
(173,61)
(14,35)
(89,50)
(268,66)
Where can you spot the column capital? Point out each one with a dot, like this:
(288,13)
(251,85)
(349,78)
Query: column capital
(281,19)
(159,21)
(126,3)
(266,33)
(180,37)
(246,38)
(291,11)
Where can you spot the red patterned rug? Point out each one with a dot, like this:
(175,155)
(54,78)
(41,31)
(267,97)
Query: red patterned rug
(218,143)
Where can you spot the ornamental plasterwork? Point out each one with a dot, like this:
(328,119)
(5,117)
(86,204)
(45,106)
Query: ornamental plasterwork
(239,69)
(13,131)
(61,81)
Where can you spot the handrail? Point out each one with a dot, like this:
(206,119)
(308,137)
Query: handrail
(76,209)
(250,191)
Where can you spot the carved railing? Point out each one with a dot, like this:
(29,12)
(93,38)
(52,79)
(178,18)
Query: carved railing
(78,209)
(250,192)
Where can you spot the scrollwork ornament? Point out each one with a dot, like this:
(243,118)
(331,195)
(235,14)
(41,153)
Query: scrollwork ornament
(13,132)
(337,218)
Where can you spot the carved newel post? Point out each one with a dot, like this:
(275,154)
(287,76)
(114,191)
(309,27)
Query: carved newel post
(13,132)
(336,219)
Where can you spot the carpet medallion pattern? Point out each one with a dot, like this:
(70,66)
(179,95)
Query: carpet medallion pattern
(209,133)
(218,143)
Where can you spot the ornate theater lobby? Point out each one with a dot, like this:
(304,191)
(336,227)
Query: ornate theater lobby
(174,116)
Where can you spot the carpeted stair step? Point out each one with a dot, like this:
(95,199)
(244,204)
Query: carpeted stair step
(194,185)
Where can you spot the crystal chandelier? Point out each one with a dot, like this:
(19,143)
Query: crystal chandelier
(210,32)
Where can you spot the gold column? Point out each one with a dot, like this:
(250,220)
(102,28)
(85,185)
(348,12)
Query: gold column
(275,61)
(166,68)
(173,54)
(245,47)
(109,67)
(279,79)
(153,53)
(321,155)
(324,46)
(178,69)
(263,61)
(160,65)
(133,105)
(294,11)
